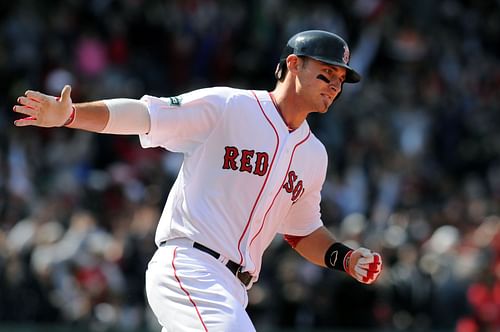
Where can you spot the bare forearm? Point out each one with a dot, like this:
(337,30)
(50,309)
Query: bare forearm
(92,116)
(113,116)
(314,246)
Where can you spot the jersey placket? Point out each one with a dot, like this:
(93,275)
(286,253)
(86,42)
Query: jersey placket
(260,221)
(246,235)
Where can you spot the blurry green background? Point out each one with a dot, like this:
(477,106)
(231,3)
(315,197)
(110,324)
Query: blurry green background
(414,169)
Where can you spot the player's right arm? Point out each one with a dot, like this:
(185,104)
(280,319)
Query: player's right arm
(113,116)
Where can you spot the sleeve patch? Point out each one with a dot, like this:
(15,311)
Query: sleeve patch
(175,101)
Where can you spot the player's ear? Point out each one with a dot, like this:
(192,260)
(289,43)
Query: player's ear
(293,63)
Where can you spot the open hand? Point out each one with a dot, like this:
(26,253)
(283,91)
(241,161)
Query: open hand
(44,110)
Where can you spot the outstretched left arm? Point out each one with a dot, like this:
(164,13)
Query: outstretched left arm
(321,248)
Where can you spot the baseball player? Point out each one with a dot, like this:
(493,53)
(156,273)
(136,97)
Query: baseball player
(252,169)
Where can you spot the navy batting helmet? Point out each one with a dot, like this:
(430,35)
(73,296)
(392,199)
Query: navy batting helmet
(323,46)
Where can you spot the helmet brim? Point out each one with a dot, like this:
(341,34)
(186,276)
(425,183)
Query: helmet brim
(351,76)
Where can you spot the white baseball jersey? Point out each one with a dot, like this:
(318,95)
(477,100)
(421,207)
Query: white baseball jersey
(244,178)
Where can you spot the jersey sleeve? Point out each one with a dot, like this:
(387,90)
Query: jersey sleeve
(304,217)
(181,123)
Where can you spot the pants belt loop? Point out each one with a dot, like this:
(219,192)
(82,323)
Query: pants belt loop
(223,259)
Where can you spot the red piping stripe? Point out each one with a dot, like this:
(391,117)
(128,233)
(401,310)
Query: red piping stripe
(265,181)
(276,195)
(187,293)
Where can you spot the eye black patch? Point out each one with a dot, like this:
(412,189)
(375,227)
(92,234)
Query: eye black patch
(323,78)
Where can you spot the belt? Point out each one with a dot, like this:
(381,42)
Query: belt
(235,268)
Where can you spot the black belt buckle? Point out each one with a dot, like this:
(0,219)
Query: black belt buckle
(244,277)
(235,268)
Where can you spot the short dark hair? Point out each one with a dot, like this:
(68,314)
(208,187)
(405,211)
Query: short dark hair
(283,69)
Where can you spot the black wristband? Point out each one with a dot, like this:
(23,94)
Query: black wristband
(337,256)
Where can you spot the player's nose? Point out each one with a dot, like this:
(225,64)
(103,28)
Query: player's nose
(335,85)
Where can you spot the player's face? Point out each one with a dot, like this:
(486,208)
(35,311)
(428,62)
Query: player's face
(320,83)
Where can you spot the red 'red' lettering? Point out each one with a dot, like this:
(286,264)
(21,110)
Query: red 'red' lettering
(230,158)
(288,186)
(261,163)
(298,190)
(246,158)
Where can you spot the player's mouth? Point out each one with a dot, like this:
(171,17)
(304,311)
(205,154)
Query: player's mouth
(327,99)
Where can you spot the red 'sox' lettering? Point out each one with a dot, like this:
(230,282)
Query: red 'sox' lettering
(294,187)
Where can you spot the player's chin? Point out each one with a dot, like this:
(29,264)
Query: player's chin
(325,105)
(321,106)
(324,108)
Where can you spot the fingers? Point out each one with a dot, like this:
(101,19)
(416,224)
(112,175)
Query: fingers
(29,107)
(371,276)
(364,252)
(37,96)
(31,104)
(360,271)
(374,269)
(24,110)
(371,261)
(28,102)
(29,121)
(365,260)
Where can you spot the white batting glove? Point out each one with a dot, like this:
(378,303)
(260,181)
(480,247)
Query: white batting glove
(44,110)
(365,265)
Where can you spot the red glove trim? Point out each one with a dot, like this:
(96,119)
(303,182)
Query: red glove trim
(347,260)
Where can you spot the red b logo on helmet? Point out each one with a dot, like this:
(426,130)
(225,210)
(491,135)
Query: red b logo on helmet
(345,58)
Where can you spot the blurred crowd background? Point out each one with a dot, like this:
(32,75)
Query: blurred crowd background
(414,152)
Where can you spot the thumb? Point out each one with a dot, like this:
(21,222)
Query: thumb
(66,94)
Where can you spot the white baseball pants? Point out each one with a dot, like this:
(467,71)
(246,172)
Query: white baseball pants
(189,290)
